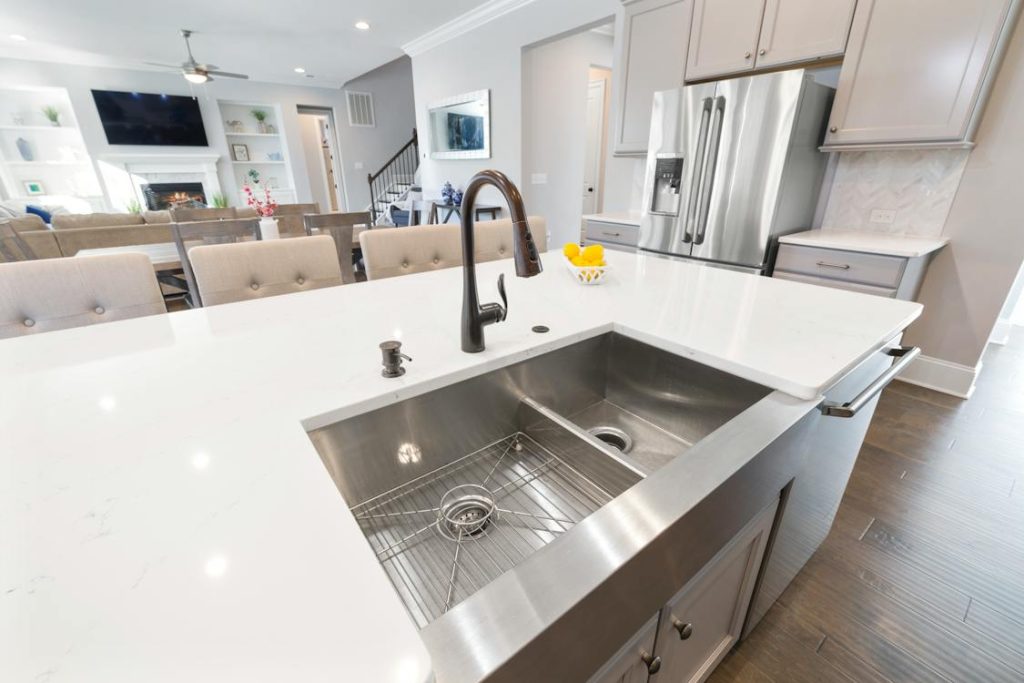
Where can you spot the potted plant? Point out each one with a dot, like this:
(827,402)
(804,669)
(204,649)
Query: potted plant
(133,206)
(220,201)
(265,210)
(261,119)
(52,114)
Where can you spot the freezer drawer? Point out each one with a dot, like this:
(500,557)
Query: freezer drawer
(835,264)
(616,233)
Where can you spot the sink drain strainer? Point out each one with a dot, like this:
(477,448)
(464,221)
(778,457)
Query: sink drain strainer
(465,511)
(614,437)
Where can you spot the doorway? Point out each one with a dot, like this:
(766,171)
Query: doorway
(323,164)
(598,91)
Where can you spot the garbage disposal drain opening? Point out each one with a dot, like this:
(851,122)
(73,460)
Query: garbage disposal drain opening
(614,437)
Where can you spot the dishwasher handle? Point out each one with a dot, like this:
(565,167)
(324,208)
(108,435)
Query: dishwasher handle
(905,354)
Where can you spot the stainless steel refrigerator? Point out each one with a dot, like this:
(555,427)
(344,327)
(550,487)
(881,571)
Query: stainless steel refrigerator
(732,165)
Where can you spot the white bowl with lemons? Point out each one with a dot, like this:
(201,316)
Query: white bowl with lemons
(587,264)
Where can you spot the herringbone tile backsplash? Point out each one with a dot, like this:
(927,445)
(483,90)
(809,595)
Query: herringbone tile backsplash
(918,184)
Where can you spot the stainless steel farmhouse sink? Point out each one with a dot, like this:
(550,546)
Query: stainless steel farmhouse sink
(455,487)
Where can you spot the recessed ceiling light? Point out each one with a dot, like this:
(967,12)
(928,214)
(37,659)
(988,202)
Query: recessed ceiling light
(362,26)
(18,38)
(299,70)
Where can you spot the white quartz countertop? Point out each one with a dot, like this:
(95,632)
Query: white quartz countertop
(868,242)
(165,518)
(620,217)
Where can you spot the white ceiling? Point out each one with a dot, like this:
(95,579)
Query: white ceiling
(265,39)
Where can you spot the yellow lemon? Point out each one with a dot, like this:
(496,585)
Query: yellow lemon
(595,253)
(571,249)
(577,260)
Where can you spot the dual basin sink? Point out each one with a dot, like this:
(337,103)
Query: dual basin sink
(457,486)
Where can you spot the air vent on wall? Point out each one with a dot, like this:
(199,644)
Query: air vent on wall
(360,108)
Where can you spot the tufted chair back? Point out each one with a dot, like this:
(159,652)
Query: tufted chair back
(389,252)
(253,270)
(64,221)
(55,294)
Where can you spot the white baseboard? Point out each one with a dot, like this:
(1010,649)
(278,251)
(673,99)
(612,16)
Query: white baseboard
(1001,332)
(941,375)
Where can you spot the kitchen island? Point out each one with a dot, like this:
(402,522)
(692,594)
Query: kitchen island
(165,516)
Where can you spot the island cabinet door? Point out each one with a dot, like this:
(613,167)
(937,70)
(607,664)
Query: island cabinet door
(803,30)
(634,661)
(917,72)
(723,38)
(703,621)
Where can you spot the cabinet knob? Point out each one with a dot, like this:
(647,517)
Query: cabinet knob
(762,52)
(833,129)
(747,56)
(685,630)
(653,663)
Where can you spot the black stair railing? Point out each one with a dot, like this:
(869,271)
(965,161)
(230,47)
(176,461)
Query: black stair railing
(394,177)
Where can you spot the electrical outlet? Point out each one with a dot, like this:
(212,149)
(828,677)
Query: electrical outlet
(883,216)
(538,178)
(358,165)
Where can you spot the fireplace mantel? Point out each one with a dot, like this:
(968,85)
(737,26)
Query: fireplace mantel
(127,173)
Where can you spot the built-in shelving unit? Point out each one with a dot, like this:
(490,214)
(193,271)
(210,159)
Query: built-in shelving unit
(264,144)
(40,162)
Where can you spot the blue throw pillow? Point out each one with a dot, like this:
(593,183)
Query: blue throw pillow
(39,211)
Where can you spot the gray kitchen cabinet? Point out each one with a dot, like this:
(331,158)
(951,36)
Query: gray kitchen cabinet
(689,636)
(796,31)
(632,663)
(723,37)
(703,621)
(621,236)
(918,74)
(652,37)
(894,277)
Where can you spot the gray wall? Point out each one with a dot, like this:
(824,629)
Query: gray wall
(968,282)
(364,150)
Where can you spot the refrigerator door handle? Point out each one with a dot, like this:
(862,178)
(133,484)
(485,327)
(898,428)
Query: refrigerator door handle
(697,166)
(709,172)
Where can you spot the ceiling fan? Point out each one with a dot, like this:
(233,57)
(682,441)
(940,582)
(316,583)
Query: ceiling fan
(193,71)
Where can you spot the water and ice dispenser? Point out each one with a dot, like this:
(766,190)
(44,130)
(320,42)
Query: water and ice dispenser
(668,176)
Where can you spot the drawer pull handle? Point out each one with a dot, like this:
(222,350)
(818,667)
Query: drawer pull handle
(653,663)
(840,266)
(611,234)
(904,356)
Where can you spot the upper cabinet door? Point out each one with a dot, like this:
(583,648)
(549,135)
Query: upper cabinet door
(915,72)
(724,36)
(803,30)
(653,38)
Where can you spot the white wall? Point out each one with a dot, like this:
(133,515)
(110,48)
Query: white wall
(555,78)
(79,80)
(313,159)
(364,150)
(491,57)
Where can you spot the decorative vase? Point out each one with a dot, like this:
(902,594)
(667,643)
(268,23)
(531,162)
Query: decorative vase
(24,149)
(268,228)
(261,126)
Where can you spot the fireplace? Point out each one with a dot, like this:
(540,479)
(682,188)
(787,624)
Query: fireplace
(161,196)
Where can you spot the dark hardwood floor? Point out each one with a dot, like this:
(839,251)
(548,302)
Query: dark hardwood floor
(922,577)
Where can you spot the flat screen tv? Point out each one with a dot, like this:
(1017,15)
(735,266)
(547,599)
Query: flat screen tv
(138,118)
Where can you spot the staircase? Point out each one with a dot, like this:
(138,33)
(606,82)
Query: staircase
(395,178)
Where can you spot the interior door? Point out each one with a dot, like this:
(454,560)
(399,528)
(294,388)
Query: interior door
(723,38)
(592,147)
(680,125)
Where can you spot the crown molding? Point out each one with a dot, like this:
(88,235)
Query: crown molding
(473,19)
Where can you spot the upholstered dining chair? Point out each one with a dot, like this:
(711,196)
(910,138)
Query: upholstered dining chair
(12,246)
(390,252)
(253,270)
(189,235)
(343,227)
(191,215)
(58,293)
(290,218)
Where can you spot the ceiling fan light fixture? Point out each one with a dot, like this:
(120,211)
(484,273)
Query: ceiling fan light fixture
(299,70)
(363,25)
(196,77)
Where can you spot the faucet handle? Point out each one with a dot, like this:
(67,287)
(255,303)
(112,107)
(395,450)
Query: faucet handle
(504,298)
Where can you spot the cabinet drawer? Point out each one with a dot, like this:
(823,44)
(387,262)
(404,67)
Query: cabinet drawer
(848,266)
(615,233)
(836,284)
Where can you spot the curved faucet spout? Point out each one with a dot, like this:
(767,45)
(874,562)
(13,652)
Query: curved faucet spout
(474,316)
